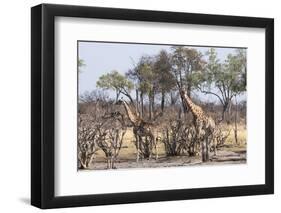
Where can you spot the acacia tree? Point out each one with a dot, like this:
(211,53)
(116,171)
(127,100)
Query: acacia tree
(134,74)
(224,80)
(185,63)
(117,82)
(153,75)
(149,84)
(145,77)
(165,79)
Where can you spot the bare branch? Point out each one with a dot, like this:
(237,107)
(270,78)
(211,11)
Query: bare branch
(211,93)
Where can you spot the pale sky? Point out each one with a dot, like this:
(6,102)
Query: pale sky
(101,58)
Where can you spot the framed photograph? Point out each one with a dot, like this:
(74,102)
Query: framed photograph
(140,106)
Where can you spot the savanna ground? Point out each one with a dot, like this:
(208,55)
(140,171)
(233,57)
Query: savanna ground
(229,153)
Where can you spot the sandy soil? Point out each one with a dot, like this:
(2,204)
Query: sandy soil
(223,157)
(228,154)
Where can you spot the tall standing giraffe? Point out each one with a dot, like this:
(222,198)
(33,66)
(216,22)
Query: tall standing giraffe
(141,129)
(204,125)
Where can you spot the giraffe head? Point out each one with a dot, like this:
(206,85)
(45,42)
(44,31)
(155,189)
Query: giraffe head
(119,102)
(182,92)
(196,110)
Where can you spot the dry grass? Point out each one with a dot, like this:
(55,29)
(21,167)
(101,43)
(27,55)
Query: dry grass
(242,134)
(128,150)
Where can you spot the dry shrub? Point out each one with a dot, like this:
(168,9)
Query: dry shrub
(88,136)
(97,129)
(179,138)
(111,140)
(221,135)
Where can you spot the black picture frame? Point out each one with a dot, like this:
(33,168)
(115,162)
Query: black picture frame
(43,102)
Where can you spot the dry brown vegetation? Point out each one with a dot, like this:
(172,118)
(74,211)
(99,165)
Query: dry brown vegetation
(106,138)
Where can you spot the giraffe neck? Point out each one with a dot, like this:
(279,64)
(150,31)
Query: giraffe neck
(130,114)
(193,107)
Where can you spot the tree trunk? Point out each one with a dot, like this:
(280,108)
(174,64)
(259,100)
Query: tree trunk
(163,101)
(225,106)
(235,120)
(179,113)
(226,111)
(152,105)
(141,99)
(228,119)
(137,100)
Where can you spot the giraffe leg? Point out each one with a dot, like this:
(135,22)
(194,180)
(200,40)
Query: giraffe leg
(207,148)
(203,150)
(156,150)
(215,146)
(151,142)
(138,147)
(215,150)
(141,148)
(197,149)
(108,166)
(154,146)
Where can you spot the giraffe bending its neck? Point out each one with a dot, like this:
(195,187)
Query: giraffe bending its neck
(141,129)
(203,123)
(135,119)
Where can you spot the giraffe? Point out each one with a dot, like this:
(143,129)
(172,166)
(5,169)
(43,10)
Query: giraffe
(204,125)
(141,129)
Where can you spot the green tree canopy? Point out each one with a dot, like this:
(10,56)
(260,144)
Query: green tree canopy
(227,78)
(117,82)
(185,63)
(162,67)
(144,75)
